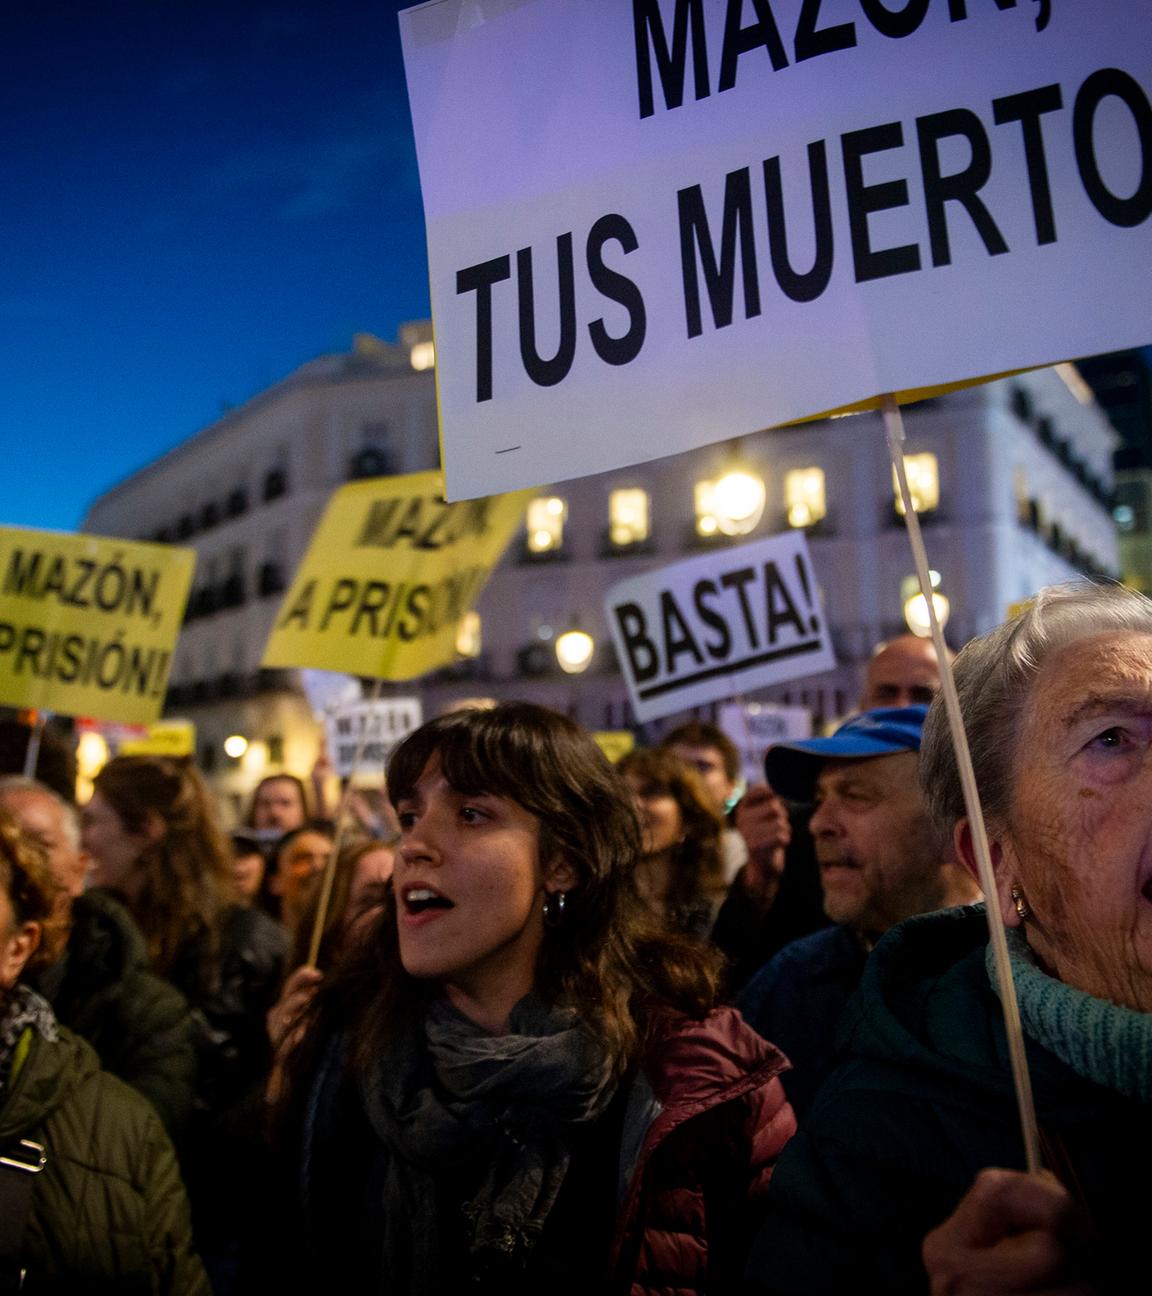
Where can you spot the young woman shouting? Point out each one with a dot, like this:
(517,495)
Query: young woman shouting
(520,1082)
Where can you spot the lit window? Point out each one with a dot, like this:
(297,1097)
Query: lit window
(423,355)
(545,523)
(923,483)
(804,496)
(468,640)
(628,516)
(731,505)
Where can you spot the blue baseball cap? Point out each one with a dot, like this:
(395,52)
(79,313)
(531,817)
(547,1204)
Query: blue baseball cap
(792,768)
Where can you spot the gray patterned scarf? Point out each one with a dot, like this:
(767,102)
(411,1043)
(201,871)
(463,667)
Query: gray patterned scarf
(515,1103)
(21,1010)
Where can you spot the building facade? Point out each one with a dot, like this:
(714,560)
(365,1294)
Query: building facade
(1013,483)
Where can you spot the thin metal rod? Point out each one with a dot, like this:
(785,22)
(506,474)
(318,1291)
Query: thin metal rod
(32,752)
(894,428)
(343,818)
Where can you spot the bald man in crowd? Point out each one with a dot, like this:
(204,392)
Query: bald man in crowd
(904,671)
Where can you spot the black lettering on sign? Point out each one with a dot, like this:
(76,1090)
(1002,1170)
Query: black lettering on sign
(618,288)
(895,23)
(480,279)
(808,286)
(863,199)
(678,637)
(961,186)
(780,611)
(1111,82)
(651,38)
(762,34)
(1027,108)
(739,581)
(340,599)
(719,276)
(812,41)
(640,650)
(547,372)
(110,586)
(301,609)
(702,591)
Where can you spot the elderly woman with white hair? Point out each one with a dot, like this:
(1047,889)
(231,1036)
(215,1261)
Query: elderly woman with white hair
(1057,705)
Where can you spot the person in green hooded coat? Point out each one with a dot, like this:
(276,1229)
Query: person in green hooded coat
(91,1198)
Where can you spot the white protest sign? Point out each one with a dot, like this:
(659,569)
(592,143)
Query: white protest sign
(719,624)
(373,729)
(657,224)
(755,726)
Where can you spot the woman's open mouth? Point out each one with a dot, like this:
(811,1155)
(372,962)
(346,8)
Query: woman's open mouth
(421,902)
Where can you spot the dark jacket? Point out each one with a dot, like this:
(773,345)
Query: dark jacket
(231,991)
(749,934)
(924,1101)
(140,1026)
(709,1118)
(675,1210)
(221,1153)
(108,1212)
(796,1002)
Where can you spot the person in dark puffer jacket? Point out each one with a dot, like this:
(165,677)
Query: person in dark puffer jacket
(139,1024)
(106,1210)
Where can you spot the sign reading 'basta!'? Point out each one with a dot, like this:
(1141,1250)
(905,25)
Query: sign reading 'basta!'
(718,625)
(88,624)
(656,224)
(390,571)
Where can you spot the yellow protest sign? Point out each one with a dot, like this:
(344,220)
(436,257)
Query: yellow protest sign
(389,573)
(615,743)
(164,738)
(88,623)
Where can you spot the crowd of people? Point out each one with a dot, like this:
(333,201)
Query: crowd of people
(550,1024)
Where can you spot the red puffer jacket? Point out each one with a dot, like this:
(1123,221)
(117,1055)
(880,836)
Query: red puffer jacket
(704,1126)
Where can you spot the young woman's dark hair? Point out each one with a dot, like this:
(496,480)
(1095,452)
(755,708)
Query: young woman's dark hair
(697,867)
(186,884)
(609,957)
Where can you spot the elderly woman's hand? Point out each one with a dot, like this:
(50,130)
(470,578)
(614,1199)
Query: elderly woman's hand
(1012,1234)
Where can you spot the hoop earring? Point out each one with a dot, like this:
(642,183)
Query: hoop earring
(1023,909)
(554,903)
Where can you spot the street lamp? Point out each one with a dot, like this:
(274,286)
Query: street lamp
(916,608)
(732,504)
(574,650)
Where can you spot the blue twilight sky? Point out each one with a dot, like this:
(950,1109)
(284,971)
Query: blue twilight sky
(199,195)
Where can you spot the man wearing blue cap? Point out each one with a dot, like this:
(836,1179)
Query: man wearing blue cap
(880,862)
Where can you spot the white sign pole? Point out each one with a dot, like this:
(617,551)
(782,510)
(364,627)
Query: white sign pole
(894,427)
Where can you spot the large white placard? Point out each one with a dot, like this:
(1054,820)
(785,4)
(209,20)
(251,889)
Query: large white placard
(718,625)
(656,224)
